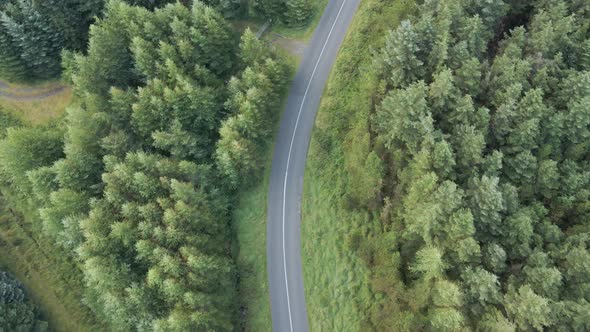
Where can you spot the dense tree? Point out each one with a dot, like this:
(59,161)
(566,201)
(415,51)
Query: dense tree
(481,123)
(33,33)
(405,118)
(156,220)
(71,18)
(229,8)
(528,309)
(487,204)
(11,65)
(7,120)
(25,149)
(109,61)
(136,182)
(151,4)
(269,8)
(482,290)
(298,12)
(253,98)
(402,55)
(32,36)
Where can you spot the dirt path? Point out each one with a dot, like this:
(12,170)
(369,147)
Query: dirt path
(295,47)
(29,93)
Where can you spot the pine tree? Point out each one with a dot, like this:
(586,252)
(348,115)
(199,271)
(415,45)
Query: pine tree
(71,18)
(527,309)
(38,41)
(298,11)
(156,217)
(404,116)
(229,8)
(252,50)
(402,55)
(26,149)
(271,9)
(482,290)
(12,67)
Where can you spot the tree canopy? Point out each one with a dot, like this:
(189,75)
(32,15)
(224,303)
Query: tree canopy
(482,128)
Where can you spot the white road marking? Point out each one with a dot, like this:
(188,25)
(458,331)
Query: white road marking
(289,159)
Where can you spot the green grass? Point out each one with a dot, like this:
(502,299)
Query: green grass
(337,275)
(53,281)
(336,280)
(249,224)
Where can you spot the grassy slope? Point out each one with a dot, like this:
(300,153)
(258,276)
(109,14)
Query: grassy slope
(39,111)
(52,281)
(337,280)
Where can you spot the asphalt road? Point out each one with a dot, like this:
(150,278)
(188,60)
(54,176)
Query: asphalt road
(287,296)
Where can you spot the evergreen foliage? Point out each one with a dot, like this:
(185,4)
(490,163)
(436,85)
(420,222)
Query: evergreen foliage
(7,120)
(298,12)
(482,128)
(33,34)
(32,38)
(293,13)
(25,149)
(136,184)
(253,98)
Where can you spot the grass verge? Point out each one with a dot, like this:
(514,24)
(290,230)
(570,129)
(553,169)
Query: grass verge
(337,291)
(337,274)
(249,224)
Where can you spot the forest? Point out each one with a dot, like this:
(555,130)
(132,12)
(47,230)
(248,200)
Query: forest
(477,173)
(136,182)
(451,158)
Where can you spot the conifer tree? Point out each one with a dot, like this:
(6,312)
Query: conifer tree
(298,11)
(12,67)
(38,42)
(272,9)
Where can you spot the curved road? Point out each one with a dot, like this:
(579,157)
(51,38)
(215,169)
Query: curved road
(287,297)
